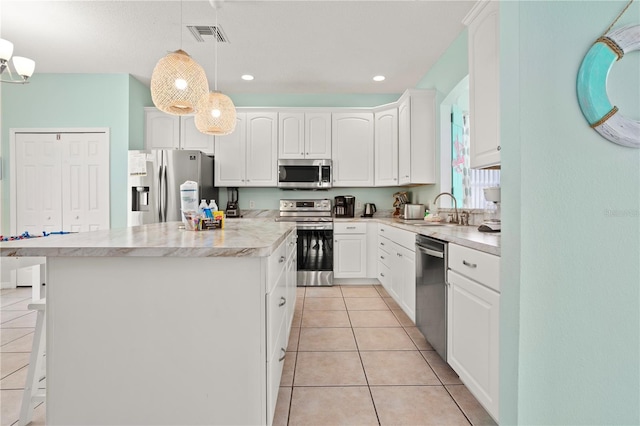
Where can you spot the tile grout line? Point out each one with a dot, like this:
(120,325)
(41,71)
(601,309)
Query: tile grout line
(364,371)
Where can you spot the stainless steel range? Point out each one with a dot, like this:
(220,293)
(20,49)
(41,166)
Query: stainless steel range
(315,239)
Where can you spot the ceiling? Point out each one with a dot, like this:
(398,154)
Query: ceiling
(289,46)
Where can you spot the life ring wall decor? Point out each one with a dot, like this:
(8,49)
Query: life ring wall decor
(592,86)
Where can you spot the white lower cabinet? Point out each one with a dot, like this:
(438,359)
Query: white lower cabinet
(473,314)
(397,266)
(280,303)
(350,250)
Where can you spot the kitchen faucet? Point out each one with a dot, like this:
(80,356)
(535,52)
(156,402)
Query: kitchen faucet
(455,204)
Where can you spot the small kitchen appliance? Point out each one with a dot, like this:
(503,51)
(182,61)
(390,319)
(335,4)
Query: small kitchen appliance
(491,221)
(314,226)
(413,211)
(304,174)
(369,210)
(344,206)
(233,207)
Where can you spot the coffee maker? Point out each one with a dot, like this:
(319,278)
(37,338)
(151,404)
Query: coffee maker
(233,206)
(491,222)
(344,206)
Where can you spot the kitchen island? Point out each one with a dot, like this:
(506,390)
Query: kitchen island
(155,325)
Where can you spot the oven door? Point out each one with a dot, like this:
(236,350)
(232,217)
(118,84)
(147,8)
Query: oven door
(315,254)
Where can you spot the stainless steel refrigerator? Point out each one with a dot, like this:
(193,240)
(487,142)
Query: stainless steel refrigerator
(154,181)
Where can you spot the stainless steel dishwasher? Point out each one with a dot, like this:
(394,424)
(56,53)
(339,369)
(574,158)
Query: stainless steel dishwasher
(431,292)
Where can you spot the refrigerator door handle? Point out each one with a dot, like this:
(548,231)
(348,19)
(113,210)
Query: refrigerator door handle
(159,198)
(166,193)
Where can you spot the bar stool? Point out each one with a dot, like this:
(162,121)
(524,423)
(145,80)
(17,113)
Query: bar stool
(36,377)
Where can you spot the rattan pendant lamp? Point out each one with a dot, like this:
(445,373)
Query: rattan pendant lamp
(178,82)
(216,111)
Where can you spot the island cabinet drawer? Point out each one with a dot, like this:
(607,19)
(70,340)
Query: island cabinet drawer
(349,228)
(276,265)
(290,244)
(479,266)
(277,305)
(275,364)
(399,236)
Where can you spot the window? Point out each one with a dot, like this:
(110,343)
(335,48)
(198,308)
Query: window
(467,183)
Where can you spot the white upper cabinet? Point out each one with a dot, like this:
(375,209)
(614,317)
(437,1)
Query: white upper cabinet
(304,135)
(162,130)
(248,156)
(230,165)
(192,138)
(352,148)
(166,131)
(386,147)
(484,84)
(262,149)
(417,137)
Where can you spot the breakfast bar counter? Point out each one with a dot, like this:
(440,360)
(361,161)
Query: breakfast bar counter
(155,325)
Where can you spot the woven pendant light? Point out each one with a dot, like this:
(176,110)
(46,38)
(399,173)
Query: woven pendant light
(216,114)
(216,111)
(177,84)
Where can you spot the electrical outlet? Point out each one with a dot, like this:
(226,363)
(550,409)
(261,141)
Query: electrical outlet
(252,204)
(358,204)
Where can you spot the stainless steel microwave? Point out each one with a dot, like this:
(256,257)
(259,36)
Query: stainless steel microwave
(304,174)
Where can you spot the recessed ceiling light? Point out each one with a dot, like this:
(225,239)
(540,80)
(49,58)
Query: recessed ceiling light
(247,77)
(378,78)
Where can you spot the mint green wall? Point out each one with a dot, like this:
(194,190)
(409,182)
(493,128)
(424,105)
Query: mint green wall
(571,233)
(443,77)
(269,198)
(139,97)
(74,100)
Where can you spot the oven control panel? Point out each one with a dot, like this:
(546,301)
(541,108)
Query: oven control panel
(320,205)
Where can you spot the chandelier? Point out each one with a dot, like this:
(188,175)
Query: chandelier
(24,66)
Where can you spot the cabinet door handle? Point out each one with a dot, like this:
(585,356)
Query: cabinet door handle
(381,244)
(470,265)
(284,354)
(281,259)
(399,255)
(499,148)
(291,243)
(381,274)
(283,301)
(382,257)
(351,227)
(302,153)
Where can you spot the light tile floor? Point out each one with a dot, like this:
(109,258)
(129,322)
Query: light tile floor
(354,358)
(16,337)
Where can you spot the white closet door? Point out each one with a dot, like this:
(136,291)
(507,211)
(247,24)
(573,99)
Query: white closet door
(85,181)
(38,175)
(62,182)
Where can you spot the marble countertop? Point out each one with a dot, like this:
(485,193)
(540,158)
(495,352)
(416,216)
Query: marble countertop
(239,238)
(467,236)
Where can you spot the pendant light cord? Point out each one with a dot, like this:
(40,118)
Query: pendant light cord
(619,16)
(180,29)
(215,68)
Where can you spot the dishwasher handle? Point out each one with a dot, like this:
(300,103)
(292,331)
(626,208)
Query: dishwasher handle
(430,252)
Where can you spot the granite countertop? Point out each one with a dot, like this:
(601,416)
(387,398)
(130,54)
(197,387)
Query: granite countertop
(467,236)
(239,238)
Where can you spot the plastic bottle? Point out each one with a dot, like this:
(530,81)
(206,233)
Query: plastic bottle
(213,206)
(188,198)
(203,207)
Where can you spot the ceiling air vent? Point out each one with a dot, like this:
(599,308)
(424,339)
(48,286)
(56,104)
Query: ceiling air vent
(202,32)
